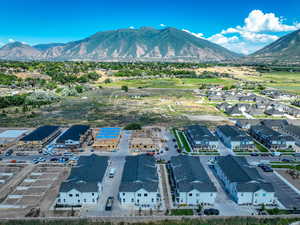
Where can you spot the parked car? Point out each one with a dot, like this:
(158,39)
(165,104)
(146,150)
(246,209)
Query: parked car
(266,168)
(41,159)
(211,211)
(35,161)
(109,203)
(54,159)
(254,154)
(112,172)
(9,152)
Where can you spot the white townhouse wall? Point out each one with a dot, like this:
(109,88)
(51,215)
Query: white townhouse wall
(77,197)
(243,182)
(190,182)
(84,184)
(234,138)
(139,186)
(196,197)
(141,198)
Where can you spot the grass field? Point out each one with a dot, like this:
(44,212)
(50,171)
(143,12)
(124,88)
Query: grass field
(287,81)
(114,107)
(171,82)
(182,212)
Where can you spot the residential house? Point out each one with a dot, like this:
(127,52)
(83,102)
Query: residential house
(234,138)
(200,138)
(84,186)
(74,137)
(243,182)
(139,186)
(271,139)
(190,182)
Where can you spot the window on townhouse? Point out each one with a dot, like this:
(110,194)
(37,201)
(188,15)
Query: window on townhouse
(132,200)
(145,195)
(211,194)
(77,195)
(123,199)
(93,194)
(242,194)
(78,201)
(190,194)
(58,200)
(152,199)
(197,194)
(93,200)
(64,200)
(84,200)
(139,195)
(123,194)
(70,195)
(264,194)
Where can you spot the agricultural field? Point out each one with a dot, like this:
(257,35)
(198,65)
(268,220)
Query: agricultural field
(184,83)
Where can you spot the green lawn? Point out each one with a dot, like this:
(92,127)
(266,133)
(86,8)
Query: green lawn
(260,147)
(297,167)
(182,212)
(171,82)
(184,141)
(177,139)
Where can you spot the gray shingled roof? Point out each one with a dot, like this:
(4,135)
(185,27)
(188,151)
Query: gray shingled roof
(237,170)
(139,173)
(189,174)
(235,133)
(73,133)
(200,133)
(88,172)
(269,133)
(40,133)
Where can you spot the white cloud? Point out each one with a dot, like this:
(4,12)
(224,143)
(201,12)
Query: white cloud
(259,29)
(221,39)
(257,21)
(198,35)
(162,25)
(131,27)
(10,40)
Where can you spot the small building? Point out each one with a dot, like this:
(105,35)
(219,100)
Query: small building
(190,182)
(106,138)
(73,137)
(39,138)
(139,186)
(243,182)
(200,138)
(271,139)
(234,138)
(83,187)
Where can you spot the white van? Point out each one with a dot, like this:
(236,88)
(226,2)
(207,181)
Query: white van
(112,172)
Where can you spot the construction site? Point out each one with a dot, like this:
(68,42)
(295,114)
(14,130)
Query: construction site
(28,189)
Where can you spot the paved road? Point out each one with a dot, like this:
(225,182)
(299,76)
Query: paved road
(285,194)
(111,185)
(165,195)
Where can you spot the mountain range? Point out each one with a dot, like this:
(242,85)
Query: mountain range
(149,44)
(285,50)
(146,43)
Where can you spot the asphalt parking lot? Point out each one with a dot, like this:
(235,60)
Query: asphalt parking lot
(285,194)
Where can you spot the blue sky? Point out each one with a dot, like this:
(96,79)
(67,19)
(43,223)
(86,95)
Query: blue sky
(43,21)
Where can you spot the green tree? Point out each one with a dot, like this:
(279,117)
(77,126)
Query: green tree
(124,88)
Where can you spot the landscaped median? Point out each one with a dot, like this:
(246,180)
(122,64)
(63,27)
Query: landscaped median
(181,140)
(297,167)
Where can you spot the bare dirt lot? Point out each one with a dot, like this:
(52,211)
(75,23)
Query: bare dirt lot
(38,188)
